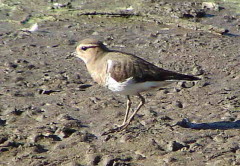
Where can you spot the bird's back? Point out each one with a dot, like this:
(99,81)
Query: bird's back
(122,66)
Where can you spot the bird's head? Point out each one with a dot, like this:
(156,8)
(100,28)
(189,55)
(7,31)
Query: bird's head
(89,49)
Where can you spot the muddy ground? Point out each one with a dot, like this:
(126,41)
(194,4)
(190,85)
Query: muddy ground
(52,113)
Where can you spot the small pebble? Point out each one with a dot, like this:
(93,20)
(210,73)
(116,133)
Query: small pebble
(93,159)
(178,104)
(174,146)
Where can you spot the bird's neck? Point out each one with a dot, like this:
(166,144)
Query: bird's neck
(97,56)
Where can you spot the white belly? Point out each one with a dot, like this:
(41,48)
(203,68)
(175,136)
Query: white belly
(129,87)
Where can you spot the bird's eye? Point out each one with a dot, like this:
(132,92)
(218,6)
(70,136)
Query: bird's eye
(84,48)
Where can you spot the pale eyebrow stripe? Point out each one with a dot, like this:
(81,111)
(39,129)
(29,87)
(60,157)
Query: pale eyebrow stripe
(89,45)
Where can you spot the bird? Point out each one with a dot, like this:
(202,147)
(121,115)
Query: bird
(125,74)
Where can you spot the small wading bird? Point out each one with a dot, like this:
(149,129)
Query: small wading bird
(124,73)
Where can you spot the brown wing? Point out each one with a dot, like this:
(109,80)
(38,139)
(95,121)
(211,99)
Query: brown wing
(141,71)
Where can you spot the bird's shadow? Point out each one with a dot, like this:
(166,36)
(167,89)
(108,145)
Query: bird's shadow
(221,125)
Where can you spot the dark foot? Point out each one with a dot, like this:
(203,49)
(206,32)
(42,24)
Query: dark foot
(116,129)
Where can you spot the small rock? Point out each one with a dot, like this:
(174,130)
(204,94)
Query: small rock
(57,6)
(40,149)
(83,136)
(33,138)
(11,65)
(155,145)
(31,66)
(188,84)
(203,83)
(91,149)
(210,5)
(93,159)
(148,121)
(194,147)
(216,163)
(40,118)
(169,160)
(84,86)
(17,112)
(72,163)
(95,33)
(139,155)
(219,138)
(178,104)
(2,122)
(64,132)
(3,149)
(165,118)
(107,160)
(126,138)
(33,28)
(174,146)
(228,117)
(197,71)
(3,138)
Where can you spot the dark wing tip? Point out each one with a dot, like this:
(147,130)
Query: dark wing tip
(190,78)
(168,75)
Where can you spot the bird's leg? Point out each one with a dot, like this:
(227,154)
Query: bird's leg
(126,121)
(142,102)
(129,103)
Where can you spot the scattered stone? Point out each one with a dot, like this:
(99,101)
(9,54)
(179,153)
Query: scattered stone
(219,139)
(64,132)
(154,145)
(30,61)
(11,65)
(3,149)
(73,163)
(197,71)
(148,121)
(139,155)
(166,118)
(211,6)
(95,33)
(107,160)
(33,28)
(3,138)
(35,137)
(58,6)
(17,112)
(196,13)
(95,100)
(2,122)
(228,117)
(203,83)
(187,84)
(153,113)
(170,159)
(40,118)
(195,147)
(40,148)
(84,86)
(47,92)
(175,146)
(126,138)
(178,104)
(84,136)
(93,159)
(19,93)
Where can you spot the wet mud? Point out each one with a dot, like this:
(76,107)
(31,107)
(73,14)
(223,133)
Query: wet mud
(52,113)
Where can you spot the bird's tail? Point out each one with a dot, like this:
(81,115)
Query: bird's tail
(178,76)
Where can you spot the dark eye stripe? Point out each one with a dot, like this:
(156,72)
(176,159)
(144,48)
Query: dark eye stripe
(84,48)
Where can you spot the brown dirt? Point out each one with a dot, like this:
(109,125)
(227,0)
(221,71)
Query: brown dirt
(52,113)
